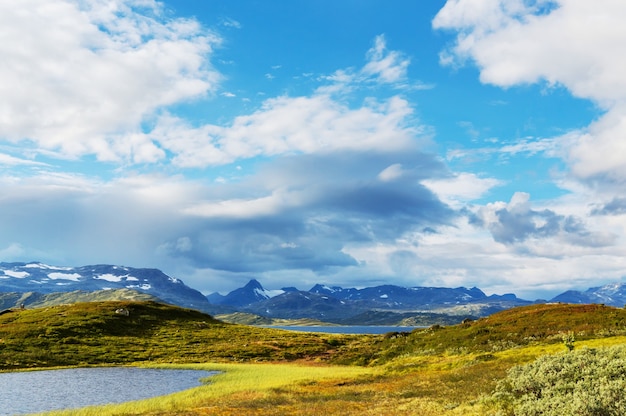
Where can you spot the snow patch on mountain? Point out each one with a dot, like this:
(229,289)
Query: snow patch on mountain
(65,276)
(13,273)
(144,286)
(274,293)
(116,278)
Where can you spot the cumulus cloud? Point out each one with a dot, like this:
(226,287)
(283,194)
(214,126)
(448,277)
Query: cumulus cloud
(517,222)
(330,172)
(461,188)
(322,122)
(102,75)
(80,77)
(303,216)
(573,44)
(286,125)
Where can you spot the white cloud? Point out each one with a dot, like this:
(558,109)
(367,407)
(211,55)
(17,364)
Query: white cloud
(9,160)
(598,152)
(243,208)
(287,125)
(385,66)
(80,77)
(461,188)
(576,44)
(228,22)
(391,173)
(382,67)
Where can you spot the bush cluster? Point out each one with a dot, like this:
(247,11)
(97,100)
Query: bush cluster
(584,382)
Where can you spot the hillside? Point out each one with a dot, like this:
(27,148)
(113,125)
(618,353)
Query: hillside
(130,331)
(543,324)
(93,333)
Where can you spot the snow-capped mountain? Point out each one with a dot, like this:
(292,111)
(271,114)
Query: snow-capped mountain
(397,297)
(337,304)
(43,278)
(613,294)
(252,292)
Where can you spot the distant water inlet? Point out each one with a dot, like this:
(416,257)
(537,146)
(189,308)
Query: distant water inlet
(347,329)
(42,391)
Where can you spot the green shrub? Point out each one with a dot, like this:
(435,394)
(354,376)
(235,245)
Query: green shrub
(588,382)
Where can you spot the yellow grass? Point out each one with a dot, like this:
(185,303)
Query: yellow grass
(255,381)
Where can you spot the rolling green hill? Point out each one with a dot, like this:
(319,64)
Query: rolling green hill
(94,333)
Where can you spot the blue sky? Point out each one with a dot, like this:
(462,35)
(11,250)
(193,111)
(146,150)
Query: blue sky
(353,143)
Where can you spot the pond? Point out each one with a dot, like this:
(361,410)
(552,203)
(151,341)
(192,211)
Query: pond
(42,391)
(347,329)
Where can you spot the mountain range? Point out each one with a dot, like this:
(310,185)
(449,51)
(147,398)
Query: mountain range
(386,304)
(37,284)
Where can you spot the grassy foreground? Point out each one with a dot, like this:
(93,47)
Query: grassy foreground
(238,389)
(435,371)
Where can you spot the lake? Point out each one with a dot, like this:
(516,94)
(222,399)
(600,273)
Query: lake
(42,391)
(347,329)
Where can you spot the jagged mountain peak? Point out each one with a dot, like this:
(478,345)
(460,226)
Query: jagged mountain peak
(253,284)
(252,292)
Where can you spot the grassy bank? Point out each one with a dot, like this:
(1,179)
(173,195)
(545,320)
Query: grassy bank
(238,389)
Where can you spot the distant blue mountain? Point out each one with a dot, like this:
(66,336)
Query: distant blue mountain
(613,294)
(397,297)
(335,304)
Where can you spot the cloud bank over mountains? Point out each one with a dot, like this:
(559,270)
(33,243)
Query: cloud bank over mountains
(104,159)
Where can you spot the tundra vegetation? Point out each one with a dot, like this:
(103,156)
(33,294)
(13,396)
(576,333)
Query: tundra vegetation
(523,361)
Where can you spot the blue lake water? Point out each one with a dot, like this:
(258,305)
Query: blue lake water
(42,391)
(348,329)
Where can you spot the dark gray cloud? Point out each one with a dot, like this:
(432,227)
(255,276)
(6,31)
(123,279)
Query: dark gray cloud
(617,206)
(341,201)
(515,226)
(518,222)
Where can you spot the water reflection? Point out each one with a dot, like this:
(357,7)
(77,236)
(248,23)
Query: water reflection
(40,391)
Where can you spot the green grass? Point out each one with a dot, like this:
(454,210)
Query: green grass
(93,334)
(434,371)
(513,328)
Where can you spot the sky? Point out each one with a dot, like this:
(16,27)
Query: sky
(353,143)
